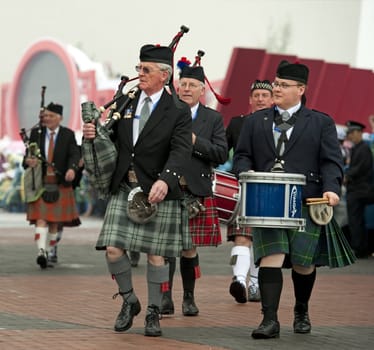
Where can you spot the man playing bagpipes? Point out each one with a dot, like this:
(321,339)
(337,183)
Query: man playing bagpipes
(153,139)
(51,162)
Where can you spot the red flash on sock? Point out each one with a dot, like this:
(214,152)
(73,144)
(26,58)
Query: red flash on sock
(164,287)
(197,272)
(37,236)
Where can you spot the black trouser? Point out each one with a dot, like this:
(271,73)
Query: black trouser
(356,219)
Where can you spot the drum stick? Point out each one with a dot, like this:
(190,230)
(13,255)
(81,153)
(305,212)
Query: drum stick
(309,200)
(325,201)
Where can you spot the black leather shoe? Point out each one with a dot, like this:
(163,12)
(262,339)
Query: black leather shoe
(126,316)
(238,291)
(189,307)
(301,322)
(152,322)
(167,305)
(134,258)
(266,330)
(42,260)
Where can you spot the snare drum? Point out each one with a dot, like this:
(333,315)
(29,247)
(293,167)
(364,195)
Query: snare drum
(271,200)
(226,191)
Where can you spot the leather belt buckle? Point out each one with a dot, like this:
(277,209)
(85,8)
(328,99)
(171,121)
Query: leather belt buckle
(131,176)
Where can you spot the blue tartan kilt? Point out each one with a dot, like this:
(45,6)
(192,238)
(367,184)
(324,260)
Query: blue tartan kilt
(318,245)
(167,234)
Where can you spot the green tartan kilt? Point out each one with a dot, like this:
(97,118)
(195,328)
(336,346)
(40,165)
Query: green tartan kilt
(167,234)
(318,245)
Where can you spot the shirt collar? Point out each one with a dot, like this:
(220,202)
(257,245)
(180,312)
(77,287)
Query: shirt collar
(194,110)
(154,98)
(291,110)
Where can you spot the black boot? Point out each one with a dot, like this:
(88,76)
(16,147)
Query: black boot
(167,304)
(126,315)
(152,322)
(189,307)
(270,282)
(301,322)
(188,268)
(303,286)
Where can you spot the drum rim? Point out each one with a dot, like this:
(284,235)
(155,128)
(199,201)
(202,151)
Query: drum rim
(236,209)
(269,177)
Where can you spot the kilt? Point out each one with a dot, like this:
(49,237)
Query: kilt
(318,245)
(204,228)
(234,230)
(63,211)
(165,235)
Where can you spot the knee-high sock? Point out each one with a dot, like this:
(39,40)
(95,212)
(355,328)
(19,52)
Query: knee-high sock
(240,261)
(271,283)
(52,241)
(172,266)
(303,286)
(253,269)
(41,236)
(121,271)
(157,280)
(190,271)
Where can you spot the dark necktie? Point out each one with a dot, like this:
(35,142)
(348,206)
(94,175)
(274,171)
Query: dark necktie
(144,114)
(283,122)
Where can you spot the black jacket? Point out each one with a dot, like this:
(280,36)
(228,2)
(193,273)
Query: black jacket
(162,149)
(66,153)
(209,150)
(313,149)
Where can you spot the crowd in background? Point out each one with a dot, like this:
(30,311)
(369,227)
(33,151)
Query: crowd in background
(12,197)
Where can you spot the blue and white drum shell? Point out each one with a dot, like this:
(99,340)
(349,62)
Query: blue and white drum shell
(271,200)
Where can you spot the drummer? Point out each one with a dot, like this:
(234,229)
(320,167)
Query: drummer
(298,140)
(242,262)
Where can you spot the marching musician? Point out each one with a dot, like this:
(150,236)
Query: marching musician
(242,257)
(358,180)
(295,139)
(153,139)
(209,149)
(59,157)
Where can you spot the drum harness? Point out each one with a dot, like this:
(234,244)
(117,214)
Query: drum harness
(283,122)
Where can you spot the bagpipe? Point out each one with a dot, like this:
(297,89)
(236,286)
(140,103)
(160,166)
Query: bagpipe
(33,176)
(100,154)
(34,186)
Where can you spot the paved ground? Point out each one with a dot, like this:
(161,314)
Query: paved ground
(71,306)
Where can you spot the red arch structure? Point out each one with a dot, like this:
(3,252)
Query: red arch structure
(339,90)
(49,63)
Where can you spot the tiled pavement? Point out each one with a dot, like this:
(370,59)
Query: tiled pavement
(71,306)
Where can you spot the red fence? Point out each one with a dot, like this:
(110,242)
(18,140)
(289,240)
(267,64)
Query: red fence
(339,90)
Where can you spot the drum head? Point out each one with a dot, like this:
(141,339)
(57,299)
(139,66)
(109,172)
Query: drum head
(139,210)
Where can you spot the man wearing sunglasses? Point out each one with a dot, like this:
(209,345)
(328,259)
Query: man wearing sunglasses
(153,139)
(292,138)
